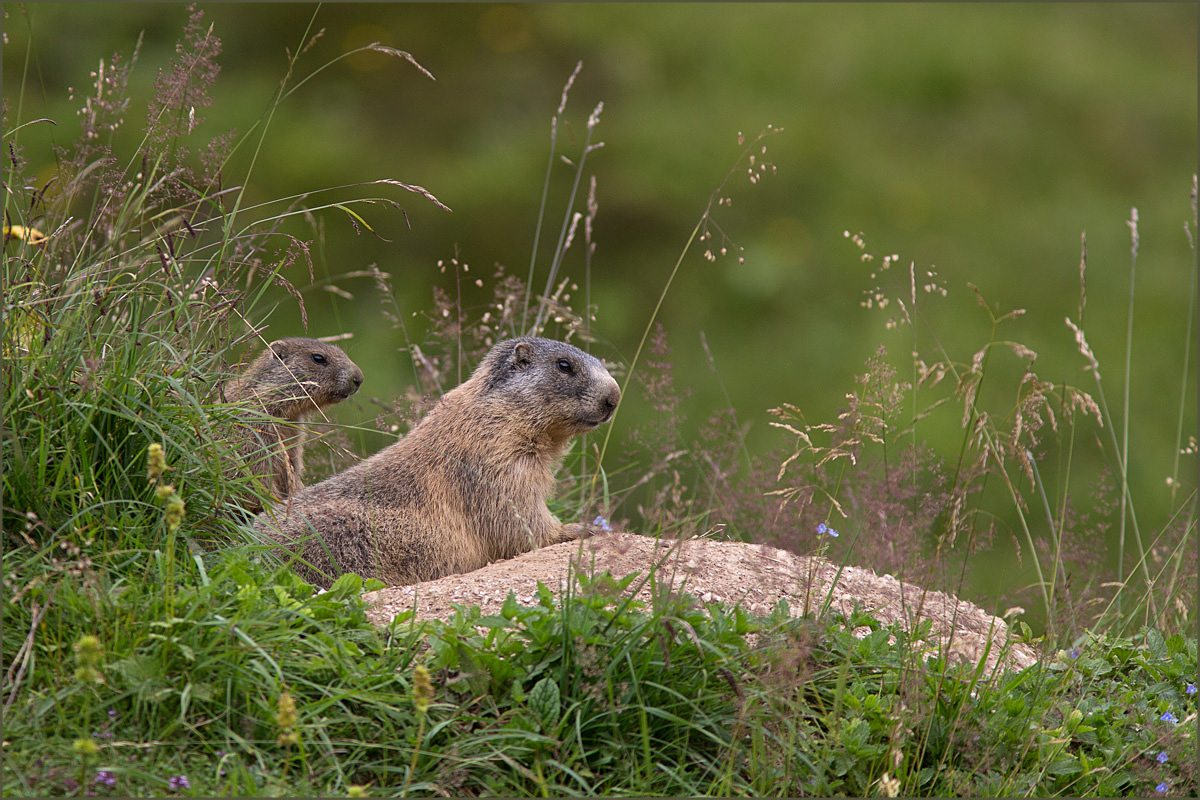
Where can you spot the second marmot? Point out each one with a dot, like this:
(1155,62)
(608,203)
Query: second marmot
(467,486)
(287,384)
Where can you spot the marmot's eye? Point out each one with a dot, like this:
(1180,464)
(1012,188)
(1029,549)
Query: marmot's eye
(565,366)
(318,358)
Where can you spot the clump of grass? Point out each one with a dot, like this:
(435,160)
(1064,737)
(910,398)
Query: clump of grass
(906,508)
(131,281)
(110,333)
(136,278)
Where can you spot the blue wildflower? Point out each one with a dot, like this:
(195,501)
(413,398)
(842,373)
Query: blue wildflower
(1161,757)
(1162,788)
(823,528)
(178,782)
(1191,688)
(602,523)
(1075,652)
(1168,717)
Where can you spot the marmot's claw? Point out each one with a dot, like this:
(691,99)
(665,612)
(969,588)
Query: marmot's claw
(585,530)
(574,530)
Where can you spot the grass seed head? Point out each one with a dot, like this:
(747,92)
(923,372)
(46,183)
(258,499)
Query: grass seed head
(423,693)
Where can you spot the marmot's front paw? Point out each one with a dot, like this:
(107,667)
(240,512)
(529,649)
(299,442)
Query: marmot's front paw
(583,530)
(572,531)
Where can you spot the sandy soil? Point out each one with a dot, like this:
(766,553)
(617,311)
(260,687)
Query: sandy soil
(754,576)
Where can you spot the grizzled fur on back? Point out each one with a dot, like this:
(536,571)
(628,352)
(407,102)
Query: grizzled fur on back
(467,486)
(292,380)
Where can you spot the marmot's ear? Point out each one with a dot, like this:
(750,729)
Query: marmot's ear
(522,354)
(275,352)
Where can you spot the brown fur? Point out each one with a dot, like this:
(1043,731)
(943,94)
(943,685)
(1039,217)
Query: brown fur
(292,380)
(467,486)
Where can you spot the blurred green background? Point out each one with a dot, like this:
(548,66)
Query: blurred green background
(977,140)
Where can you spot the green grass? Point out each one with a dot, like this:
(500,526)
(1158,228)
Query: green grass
(151,648)
(587,695)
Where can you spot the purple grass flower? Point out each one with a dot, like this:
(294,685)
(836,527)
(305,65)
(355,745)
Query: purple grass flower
(106,777)
(178,782)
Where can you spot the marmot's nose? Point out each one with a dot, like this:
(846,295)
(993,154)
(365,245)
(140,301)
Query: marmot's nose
(610,400)
(356,377)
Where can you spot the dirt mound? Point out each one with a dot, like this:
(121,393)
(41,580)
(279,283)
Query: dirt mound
(754,576)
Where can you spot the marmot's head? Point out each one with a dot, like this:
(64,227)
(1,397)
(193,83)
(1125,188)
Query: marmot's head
(312,369)
(559,387)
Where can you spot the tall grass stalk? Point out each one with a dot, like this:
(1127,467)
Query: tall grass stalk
(1186,381)
(1120,453)
(281,95)
(700,228)
(570,219)
(1124,451)
(537,229)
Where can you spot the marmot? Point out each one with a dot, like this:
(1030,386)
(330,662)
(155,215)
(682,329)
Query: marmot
(467,486)
(291,380)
